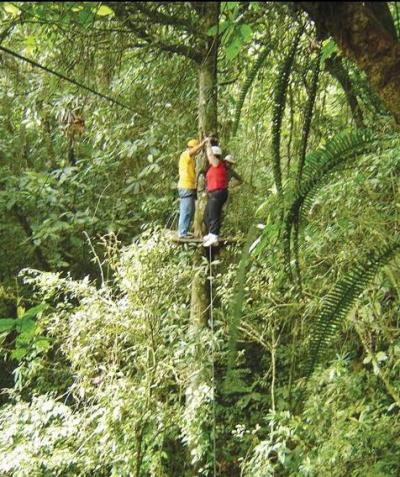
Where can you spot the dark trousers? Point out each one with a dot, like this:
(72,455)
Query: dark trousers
(213,210)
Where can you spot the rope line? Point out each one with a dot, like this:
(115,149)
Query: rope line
(63,77)
(212,365)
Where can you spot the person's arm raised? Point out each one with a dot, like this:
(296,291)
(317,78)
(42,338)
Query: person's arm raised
(210,155)
(194,150)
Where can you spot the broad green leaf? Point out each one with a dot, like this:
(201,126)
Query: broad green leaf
(27,327)
(42,344)
(23,341)
(246,32)
(213,30)
(85,17)
(19,353)
(34,311)
(329,47)
(10,8)
(104,11)
(233,49)
(10,204)
(218,28)
(231,5)
(7,324)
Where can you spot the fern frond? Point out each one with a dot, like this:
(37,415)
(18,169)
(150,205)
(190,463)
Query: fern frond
(247,84)
(317,170)
(342,298)
(279,108)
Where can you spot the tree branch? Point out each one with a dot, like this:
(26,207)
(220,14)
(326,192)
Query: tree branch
(4,34)
(138,29)
(365,39)
(163,19)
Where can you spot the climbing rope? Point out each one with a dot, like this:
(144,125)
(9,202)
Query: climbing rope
(212,364)
(63,77)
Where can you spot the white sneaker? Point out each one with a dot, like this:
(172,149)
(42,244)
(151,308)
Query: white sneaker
(211,240)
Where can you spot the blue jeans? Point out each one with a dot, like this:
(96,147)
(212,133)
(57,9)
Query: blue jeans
(186,210)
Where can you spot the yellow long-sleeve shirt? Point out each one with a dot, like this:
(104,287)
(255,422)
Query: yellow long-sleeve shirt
(187,172)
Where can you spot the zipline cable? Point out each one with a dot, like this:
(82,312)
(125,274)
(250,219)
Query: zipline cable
(212,365)
(63,77)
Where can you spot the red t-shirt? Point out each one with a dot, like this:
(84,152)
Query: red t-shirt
(217,177)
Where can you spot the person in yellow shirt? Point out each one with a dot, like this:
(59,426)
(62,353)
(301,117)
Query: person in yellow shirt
(187,188)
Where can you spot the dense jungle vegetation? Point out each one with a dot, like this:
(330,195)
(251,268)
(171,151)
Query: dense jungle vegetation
(124,353)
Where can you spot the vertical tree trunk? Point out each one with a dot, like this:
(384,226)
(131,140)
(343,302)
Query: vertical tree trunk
(208,100)
(207,113)
(199,308)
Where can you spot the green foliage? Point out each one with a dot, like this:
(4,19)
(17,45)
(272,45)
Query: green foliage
(28,341)
(247,85)
(236,311)
(338,303)
(319,166)
(340,432)
(113,378)
(126,343)
(329,48)
(30,430)
(234,33)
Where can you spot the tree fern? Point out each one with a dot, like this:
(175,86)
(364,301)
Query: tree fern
(247,84)
(341,299)
(317,169)
(279,108)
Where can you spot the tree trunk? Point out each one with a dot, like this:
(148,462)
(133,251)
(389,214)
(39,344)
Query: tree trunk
(208,13)
(208,101)
(207,113)
(363,35)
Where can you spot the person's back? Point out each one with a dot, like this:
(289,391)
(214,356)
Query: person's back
(187,173)
(187,186)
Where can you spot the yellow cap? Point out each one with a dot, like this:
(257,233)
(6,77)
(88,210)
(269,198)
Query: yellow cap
(193,143)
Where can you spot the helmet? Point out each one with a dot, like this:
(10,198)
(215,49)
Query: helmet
(192,143)
(230,158)
(216,150)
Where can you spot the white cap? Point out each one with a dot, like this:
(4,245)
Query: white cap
(230,158)
(216,150)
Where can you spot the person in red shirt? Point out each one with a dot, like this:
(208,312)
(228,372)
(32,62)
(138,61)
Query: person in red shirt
(217,179)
